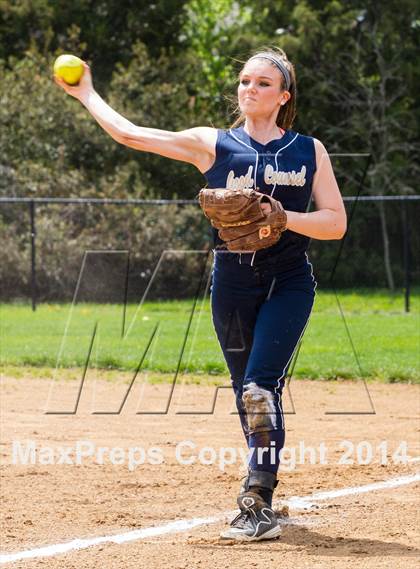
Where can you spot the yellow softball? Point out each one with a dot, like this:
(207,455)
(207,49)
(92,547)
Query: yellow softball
(69,68)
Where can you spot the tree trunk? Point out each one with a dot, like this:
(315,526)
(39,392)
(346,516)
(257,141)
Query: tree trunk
(385,239)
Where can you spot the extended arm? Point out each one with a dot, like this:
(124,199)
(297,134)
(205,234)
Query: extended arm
(329,221)
(195,146)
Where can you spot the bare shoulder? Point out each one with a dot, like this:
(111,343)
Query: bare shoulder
(319,147)
(325,190)
(205,134)
(321,154)
(205,139)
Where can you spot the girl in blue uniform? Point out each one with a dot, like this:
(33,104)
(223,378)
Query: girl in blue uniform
(261,301)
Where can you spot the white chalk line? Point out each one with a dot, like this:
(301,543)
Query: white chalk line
(295,502)
(310,501)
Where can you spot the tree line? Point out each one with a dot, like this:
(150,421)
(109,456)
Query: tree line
(173,64)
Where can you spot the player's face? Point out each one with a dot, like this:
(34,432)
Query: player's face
(260,90)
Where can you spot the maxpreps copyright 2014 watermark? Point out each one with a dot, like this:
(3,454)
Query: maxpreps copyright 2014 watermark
(188,453)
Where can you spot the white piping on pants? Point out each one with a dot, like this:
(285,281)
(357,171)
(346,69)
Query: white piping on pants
(294,349)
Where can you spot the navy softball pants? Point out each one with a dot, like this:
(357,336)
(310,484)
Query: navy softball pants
(260,313)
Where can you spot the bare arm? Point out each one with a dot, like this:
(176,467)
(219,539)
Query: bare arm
(330,220)
(195,146)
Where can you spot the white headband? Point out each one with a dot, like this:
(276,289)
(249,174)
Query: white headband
(278,63)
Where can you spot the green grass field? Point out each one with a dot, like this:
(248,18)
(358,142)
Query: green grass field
(386,339)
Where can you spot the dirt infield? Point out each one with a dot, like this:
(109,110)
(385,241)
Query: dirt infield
(48,503)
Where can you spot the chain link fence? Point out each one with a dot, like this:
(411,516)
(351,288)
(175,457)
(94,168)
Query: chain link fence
(44,242)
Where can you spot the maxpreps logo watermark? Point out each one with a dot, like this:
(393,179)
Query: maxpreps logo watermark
(188,453)
(30,453)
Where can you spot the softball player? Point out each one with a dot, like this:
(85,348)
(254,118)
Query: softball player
(261,301)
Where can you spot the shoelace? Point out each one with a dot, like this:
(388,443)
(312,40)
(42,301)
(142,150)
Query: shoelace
(240,520)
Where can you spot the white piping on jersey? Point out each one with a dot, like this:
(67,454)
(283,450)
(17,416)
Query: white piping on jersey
(256,156)
(275,159)
(289,143)
(256,171)
(255,181)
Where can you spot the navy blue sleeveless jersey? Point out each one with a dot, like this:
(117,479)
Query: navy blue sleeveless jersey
(284,169)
